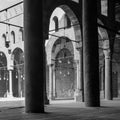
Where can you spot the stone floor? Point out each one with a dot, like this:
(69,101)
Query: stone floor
(14,110)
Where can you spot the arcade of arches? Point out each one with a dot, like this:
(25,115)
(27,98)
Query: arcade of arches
(18,73)
(12,77)
(82,51)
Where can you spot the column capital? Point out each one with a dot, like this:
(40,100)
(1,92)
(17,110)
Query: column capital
(79,48)
(51,65)
(106,44)
(10,69)
(76,61)
(107,53)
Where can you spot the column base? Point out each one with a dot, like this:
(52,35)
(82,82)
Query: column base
(78,96)
(108,98)
(102,96)
(9,95)
(54,95)
(46,101)
(51,98)
(118,93)
(20,94)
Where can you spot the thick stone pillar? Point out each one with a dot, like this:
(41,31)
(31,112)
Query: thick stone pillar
(90,53)
(34,57)
(77,95)
(10,92)
(81,74)
(108,79)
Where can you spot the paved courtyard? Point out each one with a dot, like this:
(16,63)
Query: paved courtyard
(14,110)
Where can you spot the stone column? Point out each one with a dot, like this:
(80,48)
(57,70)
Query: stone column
(54,83)
(19,82)
(102,78)
(102,82)
(78,92)
(78,74)
(10,93)
(34,47)
(50,82)
(108,81)
(90,54)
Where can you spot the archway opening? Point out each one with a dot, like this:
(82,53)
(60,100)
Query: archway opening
(64,74)
(66,40)
(103,41)
(18,73)
(3,75)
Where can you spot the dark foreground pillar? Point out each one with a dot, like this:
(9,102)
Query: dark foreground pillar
(90,53)
(34,57)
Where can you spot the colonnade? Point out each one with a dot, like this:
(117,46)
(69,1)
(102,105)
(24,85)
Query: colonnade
(11,86)
(35,58)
